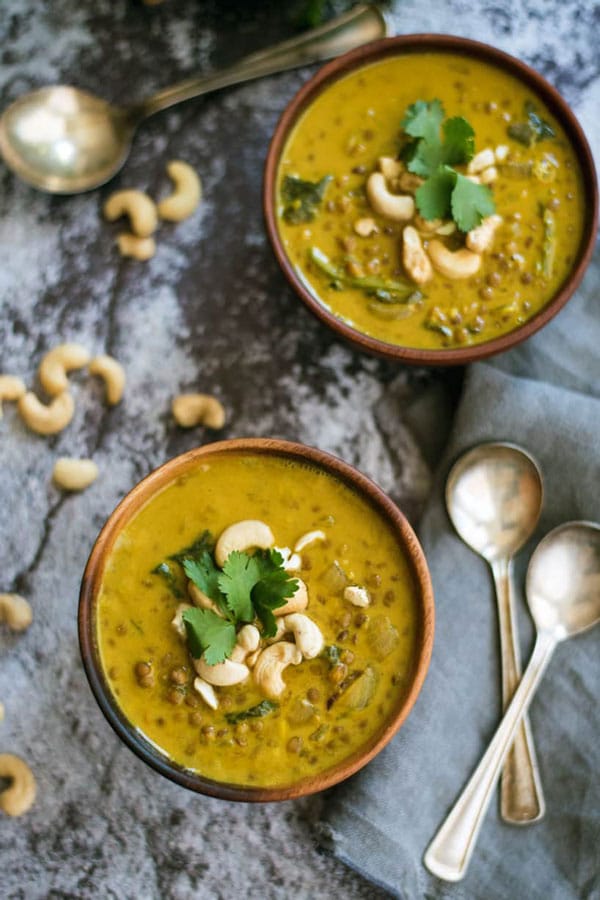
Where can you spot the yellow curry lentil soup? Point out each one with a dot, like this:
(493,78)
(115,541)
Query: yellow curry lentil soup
(356,120)
(302,737)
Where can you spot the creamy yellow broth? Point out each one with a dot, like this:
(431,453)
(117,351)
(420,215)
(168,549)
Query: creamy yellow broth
(135,610)
(358,119)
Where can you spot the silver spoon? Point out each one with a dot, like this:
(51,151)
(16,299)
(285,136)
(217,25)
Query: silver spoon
(563,589)
(494,499)
(64,140)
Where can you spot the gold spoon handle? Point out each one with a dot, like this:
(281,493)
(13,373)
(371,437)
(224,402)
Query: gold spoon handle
(358,26)
(521,797)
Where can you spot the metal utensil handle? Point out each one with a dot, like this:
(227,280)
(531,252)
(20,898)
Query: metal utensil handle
(450,851)
(358,26)
(521,796)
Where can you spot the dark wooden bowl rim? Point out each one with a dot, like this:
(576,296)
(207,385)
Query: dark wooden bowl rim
(92,578)
(423,43)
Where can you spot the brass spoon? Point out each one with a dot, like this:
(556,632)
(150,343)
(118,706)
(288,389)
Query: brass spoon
(64,140)
(494,499)
(563,589)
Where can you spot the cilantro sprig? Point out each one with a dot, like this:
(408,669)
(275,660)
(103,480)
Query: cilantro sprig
(436,146)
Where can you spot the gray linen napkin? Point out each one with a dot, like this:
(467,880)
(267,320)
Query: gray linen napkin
(545,396)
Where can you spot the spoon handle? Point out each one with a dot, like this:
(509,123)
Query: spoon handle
(450,851)
(358,26)
(521,797)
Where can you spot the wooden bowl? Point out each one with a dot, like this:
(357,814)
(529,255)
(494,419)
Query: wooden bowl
(90,588)
(419,43)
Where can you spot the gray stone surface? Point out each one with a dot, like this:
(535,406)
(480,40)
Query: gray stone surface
(210,311)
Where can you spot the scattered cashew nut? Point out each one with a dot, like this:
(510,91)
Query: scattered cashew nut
(222,674)
(458,264)
(202,600)
(243,536)
(481,161)
(397,207)
(309,538)
(18,797)
(501,152)
(365,227)
(48,419)
(307,634)
(416,262)
(480,239)
(141,248)
(389,167)
(207,692)
(198,409)
(186,196)
(177,620)
(74,474)
(140,208)
(57,362)
(291,561)
(488,175)
(113,374)
(248,639)
(270,665)
(11,388)
(15,611)
(358,596)
(297,602)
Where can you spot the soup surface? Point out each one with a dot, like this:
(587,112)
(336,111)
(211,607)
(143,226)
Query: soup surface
(332,704)
(352,257)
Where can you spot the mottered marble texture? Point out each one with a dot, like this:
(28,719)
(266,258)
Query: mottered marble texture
(210,312)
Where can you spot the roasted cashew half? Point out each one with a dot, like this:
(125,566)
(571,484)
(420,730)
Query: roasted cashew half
(481,161)
(248,639)
(11,388)
(141,248)
(48,419)
(202,600)
(358,596)
(57,362)
(307,634)
(15,611)
(309,538)
(18,797)
(397,207)
(222,674)
(198,409)
(138,206)
(186,196)
(415,260)
(460,264)
(243,535)
(74,474)
(270,665)
(298,601)
(113,374)
(207,692)
(480,239)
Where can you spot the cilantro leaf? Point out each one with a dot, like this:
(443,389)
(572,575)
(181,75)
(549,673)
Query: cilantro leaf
(205,575)
(240,573)
(459,141)
(471,203)
(423,119)
(208,634)
(273,590)
(427,157)
(302,198)
(433,198)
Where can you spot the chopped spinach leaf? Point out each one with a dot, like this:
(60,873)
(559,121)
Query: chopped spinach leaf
(170,577)
(385,289)
(203,543)
(302,198)
(255,712)
(533,129)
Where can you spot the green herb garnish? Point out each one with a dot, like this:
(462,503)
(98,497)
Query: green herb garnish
(203,542)
(255,712)
(386,290)
(437,146)
(208,634)
(332,654)
(302,198)
(549,242)
(533,129)
(170,577)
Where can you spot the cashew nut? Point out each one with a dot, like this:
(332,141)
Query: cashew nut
(57,362)
(271,664)
(389,167)
(279,633)
(460,264)
(409,182)
(358,596)
(48,419)
(11,388)
(74,474)
(15,611)
(488,175)
(291,561)
(415,260)
(480,239)
(198,409)
(248,639)
(243,536)
(222,674)
(365,227)
(207,692)
(397,207)
(501,152)
(481,161)
(113,374)
(1,711)
(186,196)
(141,248)
(18,796)
(307,634)
(138,206)
(201,599)
(298,601)
(309,538)
(177,620)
